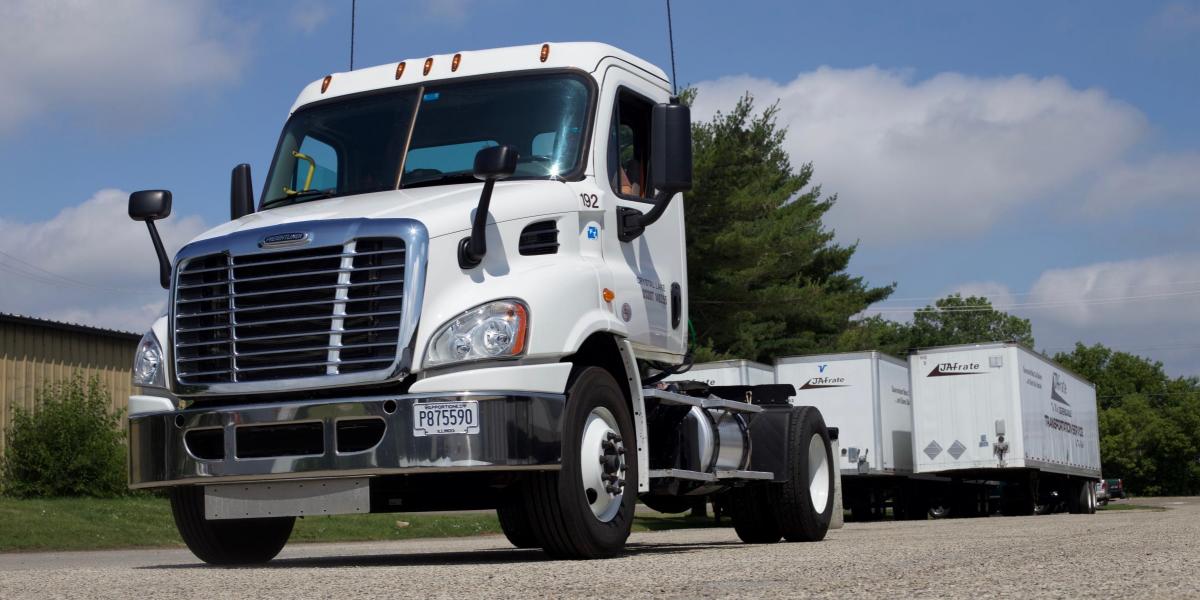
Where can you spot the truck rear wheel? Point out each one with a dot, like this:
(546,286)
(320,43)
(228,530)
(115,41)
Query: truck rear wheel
(1082,499)
(226,542)
(585,510)
(752,509)
(805,505)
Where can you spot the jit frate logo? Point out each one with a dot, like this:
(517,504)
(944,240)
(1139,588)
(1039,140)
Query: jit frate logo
(947,369)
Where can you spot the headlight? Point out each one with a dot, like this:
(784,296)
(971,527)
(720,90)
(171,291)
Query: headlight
(148,370)
(493,330)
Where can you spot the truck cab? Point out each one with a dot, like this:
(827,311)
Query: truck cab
(459,275)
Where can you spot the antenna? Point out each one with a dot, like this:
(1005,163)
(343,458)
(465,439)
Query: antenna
(671,41)
(353,11)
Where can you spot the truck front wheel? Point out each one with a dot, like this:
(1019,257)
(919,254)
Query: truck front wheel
(585,510)
(226,542)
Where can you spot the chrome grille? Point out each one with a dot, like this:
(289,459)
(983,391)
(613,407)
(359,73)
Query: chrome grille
(329,310)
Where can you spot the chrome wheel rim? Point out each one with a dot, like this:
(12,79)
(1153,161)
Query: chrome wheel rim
(818,473)
(602,464)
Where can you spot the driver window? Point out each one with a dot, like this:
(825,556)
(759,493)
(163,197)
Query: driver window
(629,146)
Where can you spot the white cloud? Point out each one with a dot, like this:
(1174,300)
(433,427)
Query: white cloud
(944,157)
(1149,307)
(1163,178)
(122,59)
(997,293)
(89,264)
(307,16)
(447,10)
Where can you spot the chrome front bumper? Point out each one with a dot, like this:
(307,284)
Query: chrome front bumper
(518,430)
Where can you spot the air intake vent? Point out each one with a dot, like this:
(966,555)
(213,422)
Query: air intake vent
(539,238)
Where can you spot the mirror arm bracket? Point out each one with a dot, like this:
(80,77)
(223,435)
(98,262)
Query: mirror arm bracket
(632,222)
(472,249)
(164,263)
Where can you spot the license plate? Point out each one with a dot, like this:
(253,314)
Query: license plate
(439,418)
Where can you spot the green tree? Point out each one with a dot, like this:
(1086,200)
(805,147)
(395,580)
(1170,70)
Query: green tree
(951,320)
(765,277)
(957,320)
(1149,423)
(69,445)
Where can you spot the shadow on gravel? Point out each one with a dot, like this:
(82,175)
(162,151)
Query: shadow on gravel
(479,557)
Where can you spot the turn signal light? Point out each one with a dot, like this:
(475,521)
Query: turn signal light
(399,70)
(428,66)
(325,83)
(454,62)
(608,295)
(545,52)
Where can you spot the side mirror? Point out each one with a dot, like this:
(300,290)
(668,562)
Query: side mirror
(670,167)
(491,164)
(149,206)
(496,162)
(241,192)
(671,148)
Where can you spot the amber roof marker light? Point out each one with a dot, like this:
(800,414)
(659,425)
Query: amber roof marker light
(325,83)
(399,70)
(454,62)
(428,66)
(545,52)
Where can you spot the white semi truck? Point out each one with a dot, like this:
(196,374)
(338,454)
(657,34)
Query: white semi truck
(461,281)
(1000,412)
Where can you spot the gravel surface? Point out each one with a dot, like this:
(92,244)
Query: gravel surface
(1111,554)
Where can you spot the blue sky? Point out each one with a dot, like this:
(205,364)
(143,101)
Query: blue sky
(1046,154)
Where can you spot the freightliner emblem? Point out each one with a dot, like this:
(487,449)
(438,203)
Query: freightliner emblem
(284,239)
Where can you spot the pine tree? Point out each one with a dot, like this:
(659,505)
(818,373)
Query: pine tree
(765,277)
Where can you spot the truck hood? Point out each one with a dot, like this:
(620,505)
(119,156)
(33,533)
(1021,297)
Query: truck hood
(442,209)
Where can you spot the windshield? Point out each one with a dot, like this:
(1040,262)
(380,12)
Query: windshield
(357,145)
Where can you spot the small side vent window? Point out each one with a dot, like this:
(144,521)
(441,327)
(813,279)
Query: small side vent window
(539,238)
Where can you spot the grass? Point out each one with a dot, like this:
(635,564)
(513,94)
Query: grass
(145,521)
(1126,506)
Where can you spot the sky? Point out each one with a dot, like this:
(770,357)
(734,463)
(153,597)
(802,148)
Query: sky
(1046,155)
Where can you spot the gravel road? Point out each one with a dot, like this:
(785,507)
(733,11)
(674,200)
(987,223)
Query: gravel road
(1111,554)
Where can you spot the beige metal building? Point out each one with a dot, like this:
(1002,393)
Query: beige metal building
(36,351)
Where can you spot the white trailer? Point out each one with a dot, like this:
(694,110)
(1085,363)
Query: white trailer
(739,372)
(1001,412)
(866,396)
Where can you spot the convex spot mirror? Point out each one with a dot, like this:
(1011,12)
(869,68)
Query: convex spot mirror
(149,205)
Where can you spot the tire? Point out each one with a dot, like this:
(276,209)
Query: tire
(226,542)
(753,517)
(805,505)
(514,522)
(1079,501)
(567,521)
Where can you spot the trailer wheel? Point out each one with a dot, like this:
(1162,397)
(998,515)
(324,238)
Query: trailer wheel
(514,522)
(753,517)
(226,542)
(805,504)
(585,510)
(1082,500)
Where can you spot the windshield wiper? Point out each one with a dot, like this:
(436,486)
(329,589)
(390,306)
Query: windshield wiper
(304,196)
